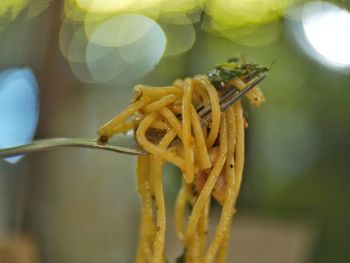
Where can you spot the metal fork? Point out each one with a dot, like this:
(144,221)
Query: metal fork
(125,142)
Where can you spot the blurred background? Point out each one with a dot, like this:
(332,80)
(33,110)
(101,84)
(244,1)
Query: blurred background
(67,66)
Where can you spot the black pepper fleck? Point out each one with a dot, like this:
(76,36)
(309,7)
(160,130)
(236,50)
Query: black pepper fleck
(103,139)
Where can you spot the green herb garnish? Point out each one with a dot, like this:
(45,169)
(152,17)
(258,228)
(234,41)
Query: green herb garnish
(223,73)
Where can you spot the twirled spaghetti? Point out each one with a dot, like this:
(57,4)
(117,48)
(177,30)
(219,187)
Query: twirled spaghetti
(210,156)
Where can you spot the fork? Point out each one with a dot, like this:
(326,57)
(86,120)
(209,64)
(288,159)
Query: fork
(126,142)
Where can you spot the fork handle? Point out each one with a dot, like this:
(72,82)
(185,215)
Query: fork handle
(40,145)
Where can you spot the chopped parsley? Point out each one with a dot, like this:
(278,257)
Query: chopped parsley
(223,73)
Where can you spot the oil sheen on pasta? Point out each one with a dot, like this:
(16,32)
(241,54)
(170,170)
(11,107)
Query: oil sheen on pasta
(210,157)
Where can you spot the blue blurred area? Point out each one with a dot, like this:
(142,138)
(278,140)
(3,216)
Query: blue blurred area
(19,105)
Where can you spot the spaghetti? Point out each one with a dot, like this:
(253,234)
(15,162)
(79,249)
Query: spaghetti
(210,157)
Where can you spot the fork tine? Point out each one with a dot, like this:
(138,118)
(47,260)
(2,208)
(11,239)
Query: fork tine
(231,97)
(224,105)
(255,75)
(246,78)
(250,76)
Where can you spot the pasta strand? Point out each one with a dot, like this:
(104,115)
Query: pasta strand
(210,157)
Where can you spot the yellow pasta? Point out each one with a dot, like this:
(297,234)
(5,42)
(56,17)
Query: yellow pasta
(187,140)
(209,155)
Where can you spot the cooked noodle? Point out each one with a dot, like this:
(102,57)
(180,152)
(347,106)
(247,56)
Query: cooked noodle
(210,156)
